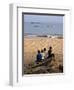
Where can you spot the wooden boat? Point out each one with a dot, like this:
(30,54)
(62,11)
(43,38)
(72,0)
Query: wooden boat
(38,67)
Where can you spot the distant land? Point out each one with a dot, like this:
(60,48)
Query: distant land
(39,35)
(28,34)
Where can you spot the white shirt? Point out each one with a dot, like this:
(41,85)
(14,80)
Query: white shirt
(46,55)
(43,55)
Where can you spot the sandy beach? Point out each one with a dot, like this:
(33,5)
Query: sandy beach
(32,44)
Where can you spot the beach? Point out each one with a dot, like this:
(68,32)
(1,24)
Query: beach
(33,44)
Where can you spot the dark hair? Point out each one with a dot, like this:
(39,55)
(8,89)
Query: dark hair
(38,51)
(44,49)
(41,50)
(50,47)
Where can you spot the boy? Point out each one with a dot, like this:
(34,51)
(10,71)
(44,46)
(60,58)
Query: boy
(38,57)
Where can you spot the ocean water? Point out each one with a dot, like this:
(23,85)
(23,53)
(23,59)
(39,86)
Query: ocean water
(43,28)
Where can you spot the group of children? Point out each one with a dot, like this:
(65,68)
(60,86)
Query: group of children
(44,54)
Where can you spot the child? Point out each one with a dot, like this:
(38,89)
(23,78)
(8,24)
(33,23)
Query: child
(45,52)
(38,57)
(43,55)
(50,54)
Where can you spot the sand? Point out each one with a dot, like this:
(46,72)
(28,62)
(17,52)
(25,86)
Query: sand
(32,44)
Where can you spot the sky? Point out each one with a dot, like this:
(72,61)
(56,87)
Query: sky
(43,24)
